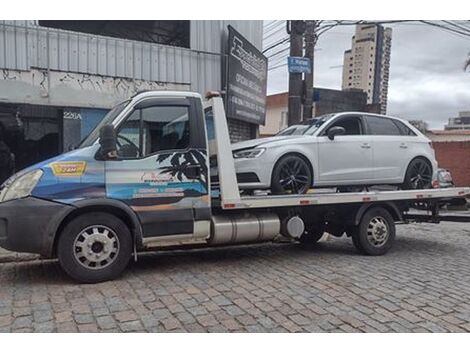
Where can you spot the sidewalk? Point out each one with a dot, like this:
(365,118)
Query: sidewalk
(8,257)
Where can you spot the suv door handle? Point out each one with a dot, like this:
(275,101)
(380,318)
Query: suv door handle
(365,146)
(403,146)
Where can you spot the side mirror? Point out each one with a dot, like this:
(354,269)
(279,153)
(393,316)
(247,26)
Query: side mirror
(108,142)
(335,131)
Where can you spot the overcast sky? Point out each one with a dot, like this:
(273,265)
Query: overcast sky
(426,71)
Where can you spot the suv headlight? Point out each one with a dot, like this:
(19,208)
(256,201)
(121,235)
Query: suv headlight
(249,153)
(20,187)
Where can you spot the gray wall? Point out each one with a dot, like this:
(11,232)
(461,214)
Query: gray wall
(26,47)
(328,101)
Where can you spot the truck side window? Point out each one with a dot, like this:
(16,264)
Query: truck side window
(128,137)
(165,128)
(153,129)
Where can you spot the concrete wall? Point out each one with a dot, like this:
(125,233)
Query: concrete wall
(274,122)
(455,156)
(56,88)
(330,100)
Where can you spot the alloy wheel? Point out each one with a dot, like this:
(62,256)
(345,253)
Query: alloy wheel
(420,175)
(294,176)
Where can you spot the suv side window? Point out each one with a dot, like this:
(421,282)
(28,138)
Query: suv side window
(404,130)
(352,125)
(382,126)
(153,129)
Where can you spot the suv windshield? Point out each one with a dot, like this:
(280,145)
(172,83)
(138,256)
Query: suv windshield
(107,119)
(293,130)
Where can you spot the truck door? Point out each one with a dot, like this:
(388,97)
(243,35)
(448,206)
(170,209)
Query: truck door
(162,168)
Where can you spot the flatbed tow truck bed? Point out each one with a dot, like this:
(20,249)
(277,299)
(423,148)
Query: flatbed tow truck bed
(250,202)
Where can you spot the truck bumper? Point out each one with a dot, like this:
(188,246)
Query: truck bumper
(30,224)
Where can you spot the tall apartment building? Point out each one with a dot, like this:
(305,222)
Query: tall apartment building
(366,64)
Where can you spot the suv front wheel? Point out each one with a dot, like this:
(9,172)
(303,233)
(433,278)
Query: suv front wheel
(291,174)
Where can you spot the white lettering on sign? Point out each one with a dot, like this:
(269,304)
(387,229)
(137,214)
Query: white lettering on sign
(72,115)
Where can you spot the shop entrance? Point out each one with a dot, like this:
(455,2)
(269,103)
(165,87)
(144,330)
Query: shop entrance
(28,134)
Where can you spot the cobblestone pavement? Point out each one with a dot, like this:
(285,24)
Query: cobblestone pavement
(422,284)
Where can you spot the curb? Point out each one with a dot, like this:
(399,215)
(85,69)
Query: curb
(12,257)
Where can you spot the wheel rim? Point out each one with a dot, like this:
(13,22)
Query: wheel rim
(377,231)
(294,176)
(420,175)
(96,247)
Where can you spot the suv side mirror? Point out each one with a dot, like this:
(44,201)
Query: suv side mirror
(108,142)
(335,131)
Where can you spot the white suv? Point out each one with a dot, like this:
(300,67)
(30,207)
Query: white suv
(343,149)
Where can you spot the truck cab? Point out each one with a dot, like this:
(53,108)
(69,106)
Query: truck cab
(157,184)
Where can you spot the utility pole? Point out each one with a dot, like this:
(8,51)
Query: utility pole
(296,30)
(308,80)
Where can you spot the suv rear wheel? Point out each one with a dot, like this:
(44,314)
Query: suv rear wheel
(418,175)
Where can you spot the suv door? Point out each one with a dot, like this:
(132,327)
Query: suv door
(348,158)
(161,172)
(390,148)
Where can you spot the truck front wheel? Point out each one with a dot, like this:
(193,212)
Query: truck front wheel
(375,233)
(95,247)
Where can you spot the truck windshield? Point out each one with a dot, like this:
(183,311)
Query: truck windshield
(107,119)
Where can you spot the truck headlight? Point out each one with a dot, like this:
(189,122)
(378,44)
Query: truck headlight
(21,187)
(249,153)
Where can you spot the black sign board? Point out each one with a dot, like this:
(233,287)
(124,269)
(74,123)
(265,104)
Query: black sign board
(246,80)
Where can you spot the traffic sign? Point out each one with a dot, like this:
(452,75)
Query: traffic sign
(299,64)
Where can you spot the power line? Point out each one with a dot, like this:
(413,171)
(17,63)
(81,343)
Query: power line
(460,28)
(446,28)
(282,41)
(276,67)
(273,33)
(277,25)
(271,24)
(455,25)
(279,51)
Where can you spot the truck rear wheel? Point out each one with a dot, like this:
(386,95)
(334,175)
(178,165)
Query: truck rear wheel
(312,235)
(375,233)
(95,247)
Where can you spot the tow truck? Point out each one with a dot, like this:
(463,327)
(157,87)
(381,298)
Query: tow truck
(141,181)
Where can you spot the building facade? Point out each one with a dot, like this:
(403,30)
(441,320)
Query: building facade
(325,101)
(59,78)
(421,125)
(462,122)
(366,65)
